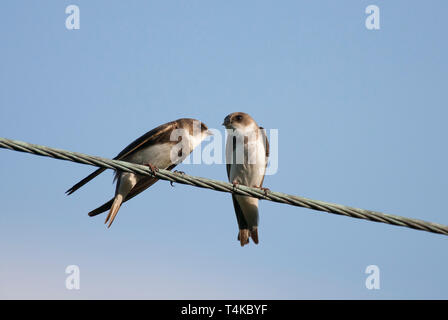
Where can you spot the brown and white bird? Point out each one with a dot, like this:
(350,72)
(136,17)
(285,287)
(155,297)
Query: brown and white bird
(163,147)
(247,152)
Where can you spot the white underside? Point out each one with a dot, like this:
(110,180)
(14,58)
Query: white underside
(249,170)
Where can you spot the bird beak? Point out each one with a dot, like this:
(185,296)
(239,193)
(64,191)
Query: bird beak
(226,122)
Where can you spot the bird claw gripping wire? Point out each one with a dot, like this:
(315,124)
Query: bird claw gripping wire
(179,172)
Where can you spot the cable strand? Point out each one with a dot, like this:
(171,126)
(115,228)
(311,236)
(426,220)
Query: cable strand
(225,186)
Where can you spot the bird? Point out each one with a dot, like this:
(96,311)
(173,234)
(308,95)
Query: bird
(162,147)
(247,153)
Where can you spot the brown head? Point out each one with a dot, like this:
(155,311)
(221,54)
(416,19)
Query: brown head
(239,121)
(194,127)
(192,130)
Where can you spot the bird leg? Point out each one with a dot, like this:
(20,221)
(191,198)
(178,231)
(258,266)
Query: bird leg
(153,168)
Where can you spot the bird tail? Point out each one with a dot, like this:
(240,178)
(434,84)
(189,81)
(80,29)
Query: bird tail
(101,209)
(116,204)
(84,181)
(141,185)
(245,234)
(246,210)
(254,234)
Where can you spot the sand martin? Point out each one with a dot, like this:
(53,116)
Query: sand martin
(163,147)
(247,152)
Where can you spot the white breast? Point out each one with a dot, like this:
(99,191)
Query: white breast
(195,140)
(251,171)
(158,155)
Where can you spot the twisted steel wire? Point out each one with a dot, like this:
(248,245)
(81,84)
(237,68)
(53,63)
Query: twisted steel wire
(225,186)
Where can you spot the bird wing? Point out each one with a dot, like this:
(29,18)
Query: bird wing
(230,161)
(156,135)
(266,146)
(161,133)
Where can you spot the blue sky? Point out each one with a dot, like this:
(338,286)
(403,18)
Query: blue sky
(361,116)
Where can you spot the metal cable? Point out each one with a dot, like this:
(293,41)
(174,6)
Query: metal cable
(225,186)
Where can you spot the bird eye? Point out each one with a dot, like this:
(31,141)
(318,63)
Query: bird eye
(238,118)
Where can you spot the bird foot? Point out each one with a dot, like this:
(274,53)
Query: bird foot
(235,184)
(153,168)
(265,190)
(176,171)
